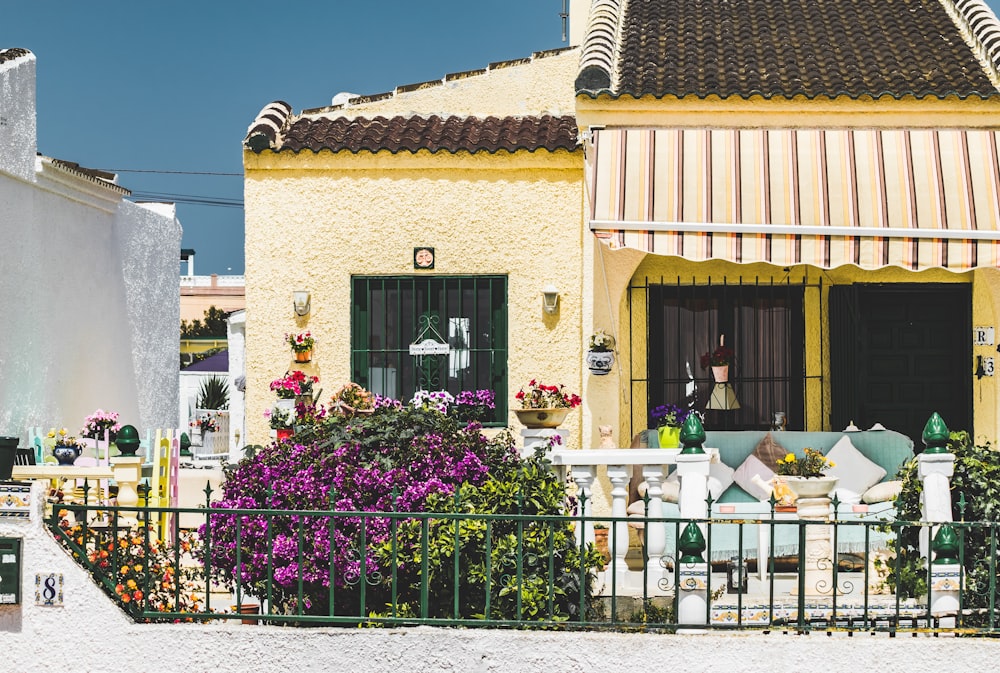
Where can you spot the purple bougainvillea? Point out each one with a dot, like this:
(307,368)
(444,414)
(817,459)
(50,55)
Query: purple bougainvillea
(392,460)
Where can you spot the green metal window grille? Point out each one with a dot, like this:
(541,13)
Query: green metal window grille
(763,323)
(469,313)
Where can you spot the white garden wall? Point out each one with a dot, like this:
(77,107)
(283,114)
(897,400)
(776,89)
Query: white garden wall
(88,633)
(88,287)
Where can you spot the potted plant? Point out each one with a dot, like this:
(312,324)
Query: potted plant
(668,420)
(719,360)
(806,476)
(352,399)
(292,388)
(206,423)
(101,425)
(544,406)
(601,541)
(601,354)
(302,345)
(280,421)
(66,449)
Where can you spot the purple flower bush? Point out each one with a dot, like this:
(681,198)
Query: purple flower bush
(393,460)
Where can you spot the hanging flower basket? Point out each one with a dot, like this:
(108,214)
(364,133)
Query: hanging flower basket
(600,363)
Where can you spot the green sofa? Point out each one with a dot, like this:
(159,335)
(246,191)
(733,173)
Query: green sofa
(887,448)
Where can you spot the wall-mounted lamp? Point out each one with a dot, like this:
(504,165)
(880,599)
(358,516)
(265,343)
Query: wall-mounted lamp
(301,302)
(550,298)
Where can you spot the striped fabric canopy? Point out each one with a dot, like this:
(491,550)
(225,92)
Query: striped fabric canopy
(914,198)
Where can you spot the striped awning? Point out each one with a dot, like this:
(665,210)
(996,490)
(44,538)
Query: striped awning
(914,198)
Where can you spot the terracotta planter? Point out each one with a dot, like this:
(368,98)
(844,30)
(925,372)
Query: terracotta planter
(248,609)
(542,418)
(601,542)
(721,374)
(304,356)
(812,487)
(669,436)
(283,434)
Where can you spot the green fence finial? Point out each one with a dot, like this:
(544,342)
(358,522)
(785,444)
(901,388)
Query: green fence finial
(692,544)
(692,435)
(945,545)
(936,435)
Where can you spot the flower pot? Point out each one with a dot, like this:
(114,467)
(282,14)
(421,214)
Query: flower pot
(811,487)
(8,450)
(66,455)
(283,434)
(600,363)
(601,542)
(303,356)
(542,418)
(285,404)
(669,436)
(721,374)
(248,609)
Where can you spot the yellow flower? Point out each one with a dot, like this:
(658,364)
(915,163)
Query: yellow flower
(63,432)
(789,457)
(830,463)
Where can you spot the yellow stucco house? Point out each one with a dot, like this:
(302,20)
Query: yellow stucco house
(818,184)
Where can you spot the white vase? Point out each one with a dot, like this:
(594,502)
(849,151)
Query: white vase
(285,405)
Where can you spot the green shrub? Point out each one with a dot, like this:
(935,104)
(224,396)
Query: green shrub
(975,491)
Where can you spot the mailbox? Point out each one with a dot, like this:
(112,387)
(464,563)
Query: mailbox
(10,571)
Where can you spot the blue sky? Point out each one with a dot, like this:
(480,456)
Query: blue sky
(172,86)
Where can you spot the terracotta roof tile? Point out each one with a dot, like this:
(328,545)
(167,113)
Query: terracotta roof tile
(12,54)
(436,134)
(785,48)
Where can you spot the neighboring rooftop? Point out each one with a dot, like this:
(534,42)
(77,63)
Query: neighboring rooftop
(12,54)
(787,48)
(436,134)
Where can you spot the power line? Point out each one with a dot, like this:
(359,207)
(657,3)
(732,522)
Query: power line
(140,170)
(190,199)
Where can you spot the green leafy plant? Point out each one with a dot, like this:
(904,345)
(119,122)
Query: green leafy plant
(975,490)
(214,325)
(213,394)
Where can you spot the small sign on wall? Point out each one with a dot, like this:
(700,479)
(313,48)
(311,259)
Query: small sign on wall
(49,590)
(982,335)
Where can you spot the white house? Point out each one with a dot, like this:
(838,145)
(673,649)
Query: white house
(88,283)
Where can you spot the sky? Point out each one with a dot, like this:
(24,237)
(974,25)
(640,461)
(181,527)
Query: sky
(162,93)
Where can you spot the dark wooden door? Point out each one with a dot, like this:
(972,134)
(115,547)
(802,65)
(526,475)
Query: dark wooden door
(900,352)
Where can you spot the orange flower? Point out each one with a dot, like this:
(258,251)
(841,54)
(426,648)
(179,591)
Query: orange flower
(131,584)
(137,595)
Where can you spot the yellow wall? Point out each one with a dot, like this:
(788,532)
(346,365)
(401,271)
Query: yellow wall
(314,220)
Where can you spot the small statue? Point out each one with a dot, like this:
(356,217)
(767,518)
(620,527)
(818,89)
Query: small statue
(607,441)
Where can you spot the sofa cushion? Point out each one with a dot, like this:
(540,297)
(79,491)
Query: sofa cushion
(745,473)
(720,477)
(882,492)
(761,463)
(769,451)
(855,472)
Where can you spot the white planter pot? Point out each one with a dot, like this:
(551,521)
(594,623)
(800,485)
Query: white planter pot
(600,362)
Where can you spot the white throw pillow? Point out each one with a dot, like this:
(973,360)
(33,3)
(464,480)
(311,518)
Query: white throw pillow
(883,491)
(720,477)
(856,474)
(745,473)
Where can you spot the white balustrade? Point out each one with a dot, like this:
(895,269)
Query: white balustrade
(582,465)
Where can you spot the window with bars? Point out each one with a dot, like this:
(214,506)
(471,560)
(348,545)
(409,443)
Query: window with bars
(763,324)
(469,313)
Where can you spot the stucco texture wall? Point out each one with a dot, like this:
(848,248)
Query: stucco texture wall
(313,221)
(90,297)
(542,84)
